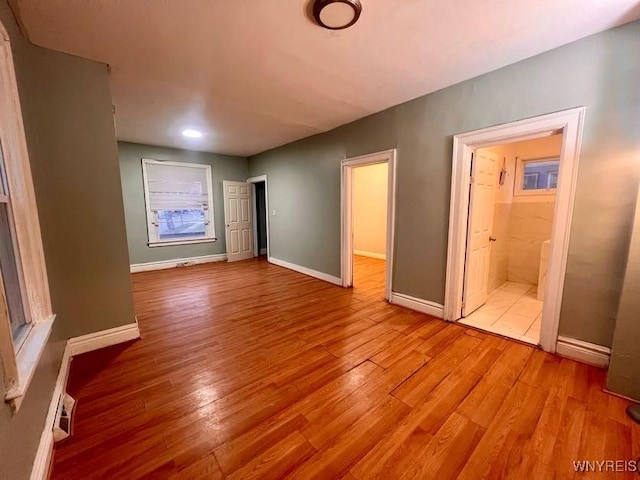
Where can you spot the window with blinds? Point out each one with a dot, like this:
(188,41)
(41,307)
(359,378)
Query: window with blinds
(536,176)
(179,202)
(11,298)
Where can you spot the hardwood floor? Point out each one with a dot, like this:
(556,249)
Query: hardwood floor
(368,276)
(249,370)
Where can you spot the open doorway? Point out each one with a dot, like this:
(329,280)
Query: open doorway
(511,213)
(513,185)
(260,225)
(260,215)
(368,184)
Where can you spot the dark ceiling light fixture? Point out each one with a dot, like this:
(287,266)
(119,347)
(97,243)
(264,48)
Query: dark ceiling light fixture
(336,14)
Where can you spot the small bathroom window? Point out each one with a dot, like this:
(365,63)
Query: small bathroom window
(536,176)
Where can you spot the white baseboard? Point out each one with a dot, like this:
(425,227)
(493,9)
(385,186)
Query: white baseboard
(102,339)
(307,271)
(364,253)
(418,304)
(177,262)
(74,346)
(263,251)
(584,352)
(40,470)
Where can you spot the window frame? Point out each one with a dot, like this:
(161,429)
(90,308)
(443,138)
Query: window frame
(536,175)
(153,239)
(19,362)
(5,198)
(519,177)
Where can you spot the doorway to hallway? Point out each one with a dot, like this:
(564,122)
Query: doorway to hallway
(368,184)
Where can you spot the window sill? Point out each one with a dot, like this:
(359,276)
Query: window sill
(181,242)
(27,360)
(529,193)
(548,198)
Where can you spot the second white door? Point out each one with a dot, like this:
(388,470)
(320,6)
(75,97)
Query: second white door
(238,220)
(481,206)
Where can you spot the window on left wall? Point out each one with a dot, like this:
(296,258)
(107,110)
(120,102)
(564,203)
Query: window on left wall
(179,202)
(26,317)
(11,294)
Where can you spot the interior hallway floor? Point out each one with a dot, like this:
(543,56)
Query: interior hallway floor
(512,310)
(369,276)
(250,370)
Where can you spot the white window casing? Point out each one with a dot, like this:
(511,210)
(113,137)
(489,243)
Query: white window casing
(179,202)
(19,359)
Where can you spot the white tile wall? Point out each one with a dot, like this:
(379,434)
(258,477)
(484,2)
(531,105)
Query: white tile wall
(530,226)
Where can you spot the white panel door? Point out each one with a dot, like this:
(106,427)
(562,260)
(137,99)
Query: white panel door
(238,220)
(484,173)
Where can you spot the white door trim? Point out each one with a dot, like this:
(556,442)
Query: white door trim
(571,123)
(253,181)
(346,207)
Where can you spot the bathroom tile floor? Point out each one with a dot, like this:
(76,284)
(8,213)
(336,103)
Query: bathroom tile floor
(512,310)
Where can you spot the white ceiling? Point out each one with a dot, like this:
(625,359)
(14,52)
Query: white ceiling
(255,74)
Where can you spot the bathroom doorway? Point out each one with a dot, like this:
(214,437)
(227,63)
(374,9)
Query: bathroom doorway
(485,173)
(510,222)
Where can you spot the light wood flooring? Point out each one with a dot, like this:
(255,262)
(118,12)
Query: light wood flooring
(249,370)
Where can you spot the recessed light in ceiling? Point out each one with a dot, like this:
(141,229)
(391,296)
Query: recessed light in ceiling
(191,133)
(336,14)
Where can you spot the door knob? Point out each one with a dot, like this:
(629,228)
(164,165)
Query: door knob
(492,239)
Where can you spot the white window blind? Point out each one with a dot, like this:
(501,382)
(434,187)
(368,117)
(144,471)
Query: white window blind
(173,187)
(179,202)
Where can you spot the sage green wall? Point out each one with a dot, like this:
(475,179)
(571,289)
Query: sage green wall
(624,370)
(223,167)
(601,72)
(66,105)
(304,189)
(67,110)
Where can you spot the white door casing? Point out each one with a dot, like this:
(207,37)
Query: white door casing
(253,181)
(480,227)
(570,123)
(346,232)
(238,220)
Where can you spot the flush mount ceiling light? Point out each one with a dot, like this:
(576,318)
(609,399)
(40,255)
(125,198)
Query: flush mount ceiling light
(191,133)
(336,14)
